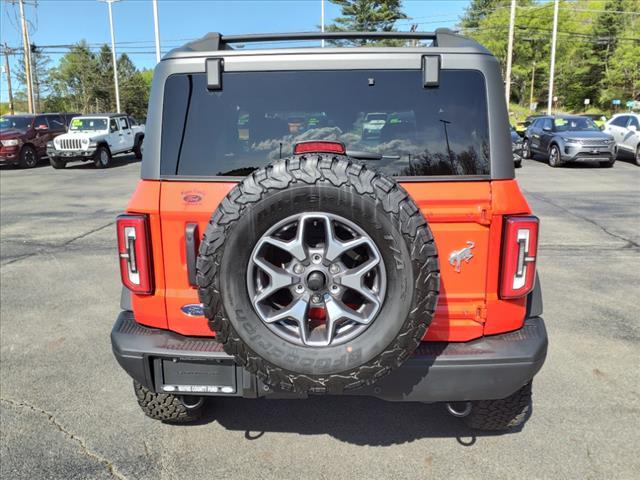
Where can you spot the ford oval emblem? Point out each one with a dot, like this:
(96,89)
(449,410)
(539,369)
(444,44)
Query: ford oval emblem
(193,310)
(192,198)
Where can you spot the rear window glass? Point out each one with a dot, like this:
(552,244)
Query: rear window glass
(259,116)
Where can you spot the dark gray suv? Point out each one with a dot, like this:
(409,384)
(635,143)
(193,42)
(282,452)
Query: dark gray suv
(565,138)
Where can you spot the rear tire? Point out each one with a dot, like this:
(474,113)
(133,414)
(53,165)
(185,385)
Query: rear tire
(526,149)
(29,157)
(167,407)
(137,149)
(503,414)
(555,160)
(57,163)
(102,157)
(638,155)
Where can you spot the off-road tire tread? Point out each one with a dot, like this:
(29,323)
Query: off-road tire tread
(338,171)
(164,406)
(137,149)
(503,414)
(57,163)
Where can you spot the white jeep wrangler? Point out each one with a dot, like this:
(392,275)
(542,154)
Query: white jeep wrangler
(96,138)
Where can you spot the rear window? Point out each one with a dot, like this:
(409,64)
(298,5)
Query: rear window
(259,116)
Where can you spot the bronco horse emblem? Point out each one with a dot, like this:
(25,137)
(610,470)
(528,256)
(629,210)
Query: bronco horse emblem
(458,256)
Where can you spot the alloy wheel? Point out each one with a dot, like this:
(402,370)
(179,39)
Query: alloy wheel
(316,279)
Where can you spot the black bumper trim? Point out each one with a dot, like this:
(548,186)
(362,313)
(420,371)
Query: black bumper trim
(486,368)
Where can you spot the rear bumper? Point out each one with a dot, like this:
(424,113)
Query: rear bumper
(486,368)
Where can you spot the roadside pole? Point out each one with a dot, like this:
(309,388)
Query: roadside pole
(27,57)
(322,21)
(113,54)
(156,27)
(533,79)
(553,56)
(7,71)
(512,21)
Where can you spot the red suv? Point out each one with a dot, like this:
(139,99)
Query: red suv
(278,245)
(24,138)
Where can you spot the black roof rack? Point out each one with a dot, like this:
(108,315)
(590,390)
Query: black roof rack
(442,37)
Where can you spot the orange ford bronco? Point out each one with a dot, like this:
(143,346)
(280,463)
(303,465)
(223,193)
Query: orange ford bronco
(339,221)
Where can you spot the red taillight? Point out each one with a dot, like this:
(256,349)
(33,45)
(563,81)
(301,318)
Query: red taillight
(319,147)
(134,251)
(519,250)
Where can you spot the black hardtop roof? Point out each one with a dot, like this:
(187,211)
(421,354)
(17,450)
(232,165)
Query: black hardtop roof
(38,114)
(109,115)
(215,42)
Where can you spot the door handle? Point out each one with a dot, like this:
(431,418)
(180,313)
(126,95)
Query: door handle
(191,246)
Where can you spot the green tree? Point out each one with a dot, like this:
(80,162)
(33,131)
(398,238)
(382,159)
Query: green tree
(134,93)
(367,16)
(83,82)
(74,80)
(40,66)
(622,78)
(478,10)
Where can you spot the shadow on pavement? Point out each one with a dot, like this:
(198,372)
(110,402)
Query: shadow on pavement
(355,420)
(117,161)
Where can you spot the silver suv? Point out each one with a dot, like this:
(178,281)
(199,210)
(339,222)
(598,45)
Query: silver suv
(565,138)
(625,129)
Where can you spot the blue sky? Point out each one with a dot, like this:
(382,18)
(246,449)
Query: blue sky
(62,22)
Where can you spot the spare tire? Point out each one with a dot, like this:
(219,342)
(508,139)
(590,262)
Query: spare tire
(318,274)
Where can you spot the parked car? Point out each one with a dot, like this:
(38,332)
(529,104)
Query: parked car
(625,129)
(569,138)
(521,127)
(24,138)
(270,263)
(96,138)
(516,148)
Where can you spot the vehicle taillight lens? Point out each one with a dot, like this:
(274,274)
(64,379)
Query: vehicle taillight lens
(319,147)
(134,250)
(519,250)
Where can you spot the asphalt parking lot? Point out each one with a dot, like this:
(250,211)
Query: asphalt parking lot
(68,410)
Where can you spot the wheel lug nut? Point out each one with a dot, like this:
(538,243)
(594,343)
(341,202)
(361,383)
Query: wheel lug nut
(298,268)
(299,288)
(317,258)
(334,268)
(315,299)
(335,289)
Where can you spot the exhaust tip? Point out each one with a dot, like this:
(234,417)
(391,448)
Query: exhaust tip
(466,410)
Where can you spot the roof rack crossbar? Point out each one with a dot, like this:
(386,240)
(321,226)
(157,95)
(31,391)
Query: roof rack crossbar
(276,37)
(442,37)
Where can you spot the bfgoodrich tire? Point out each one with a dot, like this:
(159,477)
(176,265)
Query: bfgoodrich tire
(167,407)
(319,187)
(57,162)
(503,414)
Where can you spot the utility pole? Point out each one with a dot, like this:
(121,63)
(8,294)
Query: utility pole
(533,79)
(7,70)
(414,28)
(156,27)
(512,21)
(553,56)
(113,54)
(322,21)
(27,57)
